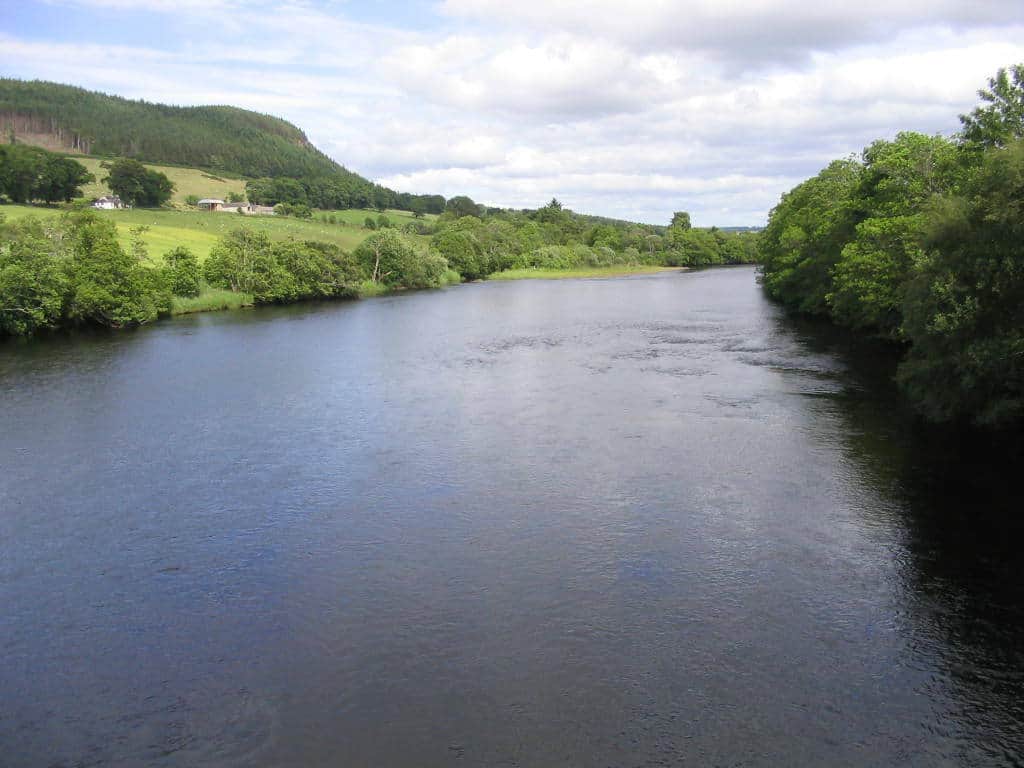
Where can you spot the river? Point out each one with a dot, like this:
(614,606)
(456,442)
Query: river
(623,522)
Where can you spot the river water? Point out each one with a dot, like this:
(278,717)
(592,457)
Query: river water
(627,522)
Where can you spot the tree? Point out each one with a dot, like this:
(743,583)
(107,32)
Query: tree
(806,233)
(1002,119)
(462,206)
(388,258)
(32,278)
(681,220)
(30,173)
(182,272)
(61,179)
(234,262)
(462,251)
(138,185)
(318,270)
(964,310)
(107,285)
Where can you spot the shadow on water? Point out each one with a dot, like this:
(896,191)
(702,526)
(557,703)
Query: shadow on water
(958,498)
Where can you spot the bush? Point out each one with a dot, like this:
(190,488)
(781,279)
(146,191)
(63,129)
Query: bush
(281,272)
(182,272)
(108,286)
(389,259)
(298,210)
(32,281)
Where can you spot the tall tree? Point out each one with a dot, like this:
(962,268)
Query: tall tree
(138,185)
(1001,118)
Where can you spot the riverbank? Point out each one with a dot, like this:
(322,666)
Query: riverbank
(217,300)
(620,270)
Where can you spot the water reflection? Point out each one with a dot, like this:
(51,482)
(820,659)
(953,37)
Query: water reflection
(955,497)
(624,522)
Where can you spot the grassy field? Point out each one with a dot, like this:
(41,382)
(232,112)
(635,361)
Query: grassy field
(562,274)
(199,230)
(187,181)
(210,300)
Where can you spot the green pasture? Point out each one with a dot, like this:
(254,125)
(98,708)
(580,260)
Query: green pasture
(199,230)
(187,181)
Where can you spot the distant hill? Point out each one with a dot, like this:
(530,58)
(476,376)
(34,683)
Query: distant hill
(229,139)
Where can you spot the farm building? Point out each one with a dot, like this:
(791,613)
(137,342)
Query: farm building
(109,203)
(250,209)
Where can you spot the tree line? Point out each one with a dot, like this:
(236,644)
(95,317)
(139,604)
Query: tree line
(335,193)
(67,271)
(478,241)
(919,240)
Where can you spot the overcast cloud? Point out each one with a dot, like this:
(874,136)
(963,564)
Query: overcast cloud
(630,110)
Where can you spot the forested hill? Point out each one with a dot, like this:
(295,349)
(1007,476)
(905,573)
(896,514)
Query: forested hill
(215,137)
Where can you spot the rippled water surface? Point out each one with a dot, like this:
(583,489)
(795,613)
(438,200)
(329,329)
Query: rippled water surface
(628,522)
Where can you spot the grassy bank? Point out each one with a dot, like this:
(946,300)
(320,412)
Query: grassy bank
(562,274)
(210,300)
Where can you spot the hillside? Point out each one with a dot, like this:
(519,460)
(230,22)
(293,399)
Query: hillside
(220,138)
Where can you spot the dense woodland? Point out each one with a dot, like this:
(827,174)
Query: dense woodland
(919,241)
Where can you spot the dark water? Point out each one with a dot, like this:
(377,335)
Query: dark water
(631,522)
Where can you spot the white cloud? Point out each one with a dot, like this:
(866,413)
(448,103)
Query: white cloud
(631,111)
(739,29)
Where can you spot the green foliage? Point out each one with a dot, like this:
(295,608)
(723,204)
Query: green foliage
(69,270)
(462,206)
(138,185)
(964,310)
(275,191)
(681,220)
(297,210)
(554,237)
(108,286)
(279,272)
(225,138)
(232,262)
(922,243)
(386,257)
(869,279)
(33,282)
(28,173)
(806,233)
(462,251)
(183,274)
(1002,118)
(192,200)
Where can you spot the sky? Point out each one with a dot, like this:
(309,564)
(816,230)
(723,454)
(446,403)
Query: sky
(624,109)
